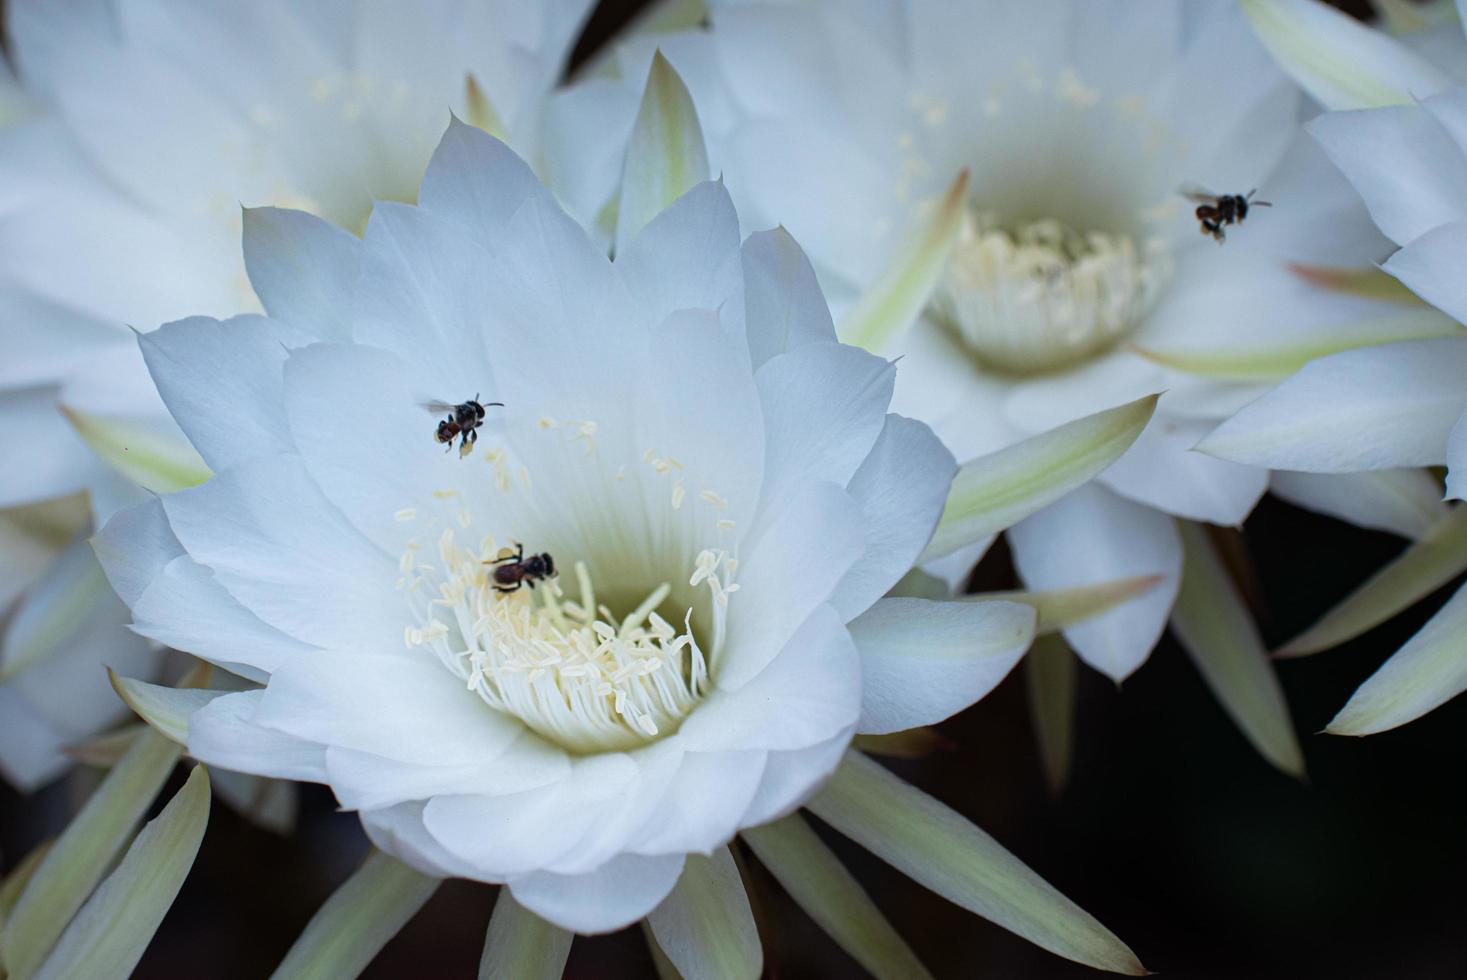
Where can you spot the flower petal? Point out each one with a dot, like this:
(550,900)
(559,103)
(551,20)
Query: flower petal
(304,270)
(134,547)
(1161,470)
(901,487)
(1405,502)
(666,155)
(783,305)
(224,733)
(1428,266)
(685,258)
(1094,536)
(613,896)
(924,661)
(1371,409)
(477,183)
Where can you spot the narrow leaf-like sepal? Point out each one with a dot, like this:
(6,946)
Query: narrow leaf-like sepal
(898,297)
(1428,671)
(1421,569)
(521,945)
(113,929)
(1049,671)
(167,709)
(705,926)
(1060,609)
(940,849)
(821,885)
(666,155)
(1370,282)
(357,920)
(83,853)
(154,460)
(1337,59)
(995,492)
(1214,627)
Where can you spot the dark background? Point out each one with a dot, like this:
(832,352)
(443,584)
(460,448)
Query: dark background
(1173,831)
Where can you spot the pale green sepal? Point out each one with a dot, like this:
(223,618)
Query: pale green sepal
(522,946)
(821,885)
(914,743)
(660,963)
(105,751)
(995,492)
(19,877)
(657,17)
(83,853)
(113,929)
(1368,282)
(1050,675)
(666,155)
(1214,627)
(1288,352)
(1421,569)
(479,111)
(167,709)
(898,297)
(1427,672)
(1337,59)
(942,850)
(1060,609)
(357,920)
(49,616)
(154,461)
(705,926)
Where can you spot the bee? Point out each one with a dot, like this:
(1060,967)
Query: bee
(462,423)
(511,571)
(1217,211)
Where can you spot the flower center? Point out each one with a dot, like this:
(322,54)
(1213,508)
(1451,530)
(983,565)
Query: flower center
(1041,296)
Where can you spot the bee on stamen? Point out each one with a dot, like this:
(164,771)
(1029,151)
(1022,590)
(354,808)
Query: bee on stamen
(1216,211)
(512,569)
(462,423)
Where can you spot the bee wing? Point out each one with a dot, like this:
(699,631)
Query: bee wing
(1197,194)
(437,407)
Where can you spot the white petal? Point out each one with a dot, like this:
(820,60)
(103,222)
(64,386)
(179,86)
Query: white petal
(901,488)
(304,270)
(811,691)
(824,407)
(45,340)
(704,803)
(399,831)
(185,608)
(783,306)
(224,733)
(134,546)
(412,710)
(222,382)
(699,403)
(476,182)
(51,459)
(791,778)
(1369,409)
(499,836)
(923,661)
(1404,502)
(1429,266)
(279,547)
(1411,174)
(686,257)
(615,895)
(364,781)
(805,548)
(1161,470)
(1093,536)
(584,143)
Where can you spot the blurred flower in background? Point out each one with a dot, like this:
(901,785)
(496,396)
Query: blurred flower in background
(137,132)
(1398,133)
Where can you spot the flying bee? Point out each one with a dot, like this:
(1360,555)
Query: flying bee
(462,423)
(513,570)
(1216,211)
